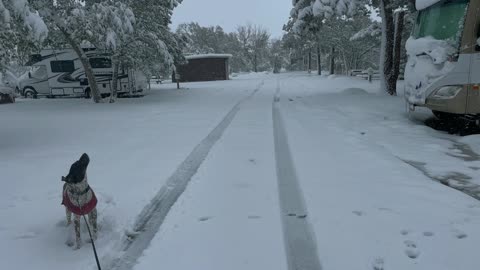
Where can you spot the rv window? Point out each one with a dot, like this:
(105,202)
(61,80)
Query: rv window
(444,21)
(100,63)
(40,73)
(62,66)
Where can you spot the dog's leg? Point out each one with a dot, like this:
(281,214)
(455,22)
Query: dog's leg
(78,240)
(92,219)
(69,216)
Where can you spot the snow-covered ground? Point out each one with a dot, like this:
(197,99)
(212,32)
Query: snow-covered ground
(366,179)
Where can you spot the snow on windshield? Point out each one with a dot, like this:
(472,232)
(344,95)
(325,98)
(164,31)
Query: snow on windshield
(422,4)
(427,62)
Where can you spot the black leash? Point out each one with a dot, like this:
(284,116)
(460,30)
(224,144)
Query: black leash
(90,234)
(93,244)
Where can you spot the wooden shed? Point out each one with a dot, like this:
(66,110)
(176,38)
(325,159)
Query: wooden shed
(205,67)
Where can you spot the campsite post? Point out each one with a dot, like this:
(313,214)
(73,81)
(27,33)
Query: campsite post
(177,78)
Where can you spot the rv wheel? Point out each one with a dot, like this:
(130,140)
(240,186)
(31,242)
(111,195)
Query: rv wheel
(29,93)
(88,93)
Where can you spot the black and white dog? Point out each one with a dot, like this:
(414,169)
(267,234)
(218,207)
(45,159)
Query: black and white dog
(79,198)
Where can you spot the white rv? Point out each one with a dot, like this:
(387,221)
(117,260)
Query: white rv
(443,70)
(60,73)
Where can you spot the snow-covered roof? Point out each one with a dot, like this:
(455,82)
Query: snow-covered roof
(210,55)
(423,4)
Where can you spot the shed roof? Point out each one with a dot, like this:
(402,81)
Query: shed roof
(210,55)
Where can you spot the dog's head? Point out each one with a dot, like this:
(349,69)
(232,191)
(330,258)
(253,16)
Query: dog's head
(77,170)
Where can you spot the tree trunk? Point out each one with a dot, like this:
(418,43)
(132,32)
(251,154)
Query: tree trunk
(310,60)
(397,56)
(92,82)
(332,61)
(319,60)
(114,88)
(255,63)
(386,59)
(346,66)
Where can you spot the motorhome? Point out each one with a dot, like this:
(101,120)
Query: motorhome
(443,69)
(61,73)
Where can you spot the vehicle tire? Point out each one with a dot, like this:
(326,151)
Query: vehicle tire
(444,115)
(88,93)
(29,93)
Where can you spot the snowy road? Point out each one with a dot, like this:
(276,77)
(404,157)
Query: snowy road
(213,177)
(153,215)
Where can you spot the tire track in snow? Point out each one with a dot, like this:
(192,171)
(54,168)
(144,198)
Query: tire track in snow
(299,237)
(152,216)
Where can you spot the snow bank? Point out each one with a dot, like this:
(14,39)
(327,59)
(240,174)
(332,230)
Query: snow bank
(423,4)
(427,62)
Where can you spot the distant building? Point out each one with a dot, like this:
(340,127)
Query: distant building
(205,67)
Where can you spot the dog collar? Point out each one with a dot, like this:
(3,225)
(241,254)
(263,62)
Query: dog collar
(81,193)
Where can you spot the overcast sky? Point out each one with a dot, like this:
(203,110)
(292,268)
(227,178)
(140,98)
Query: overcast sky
(271,14)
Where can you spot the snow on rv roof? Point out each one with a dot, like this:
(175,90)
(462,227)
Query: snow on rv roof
(423,4)
(210,55)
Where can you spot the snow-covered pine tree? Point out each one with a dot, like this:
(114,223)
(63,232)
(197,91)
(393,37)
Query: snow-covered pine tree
(111,29)
(155,48)
(278,55)
(308,17)
(330,23)
(19,25)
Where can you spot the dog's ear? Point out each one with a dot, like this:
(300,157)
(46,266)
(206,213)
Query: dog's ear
(63,179)
(84,160)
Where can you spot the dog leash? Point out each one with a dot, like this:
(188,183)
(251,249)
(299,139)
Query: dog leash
(91,238)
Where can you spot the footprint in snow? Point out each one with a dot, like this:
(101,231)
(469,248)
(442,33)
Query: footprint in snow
(378,264)
(411,250)
(460,235)
(404,232)
(203,219)
(254,217)
(358,213)
(253,161)
(27,235)
(428,234)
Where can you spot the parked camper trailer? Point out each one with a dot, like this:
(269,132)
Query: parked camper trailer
(447,84)
(60,73)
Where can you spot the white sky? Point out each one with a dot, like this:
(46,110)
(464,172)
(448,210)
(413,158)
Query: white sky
(271,14)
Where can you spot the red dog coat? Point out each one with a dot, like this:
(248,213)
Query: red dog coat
(84,210)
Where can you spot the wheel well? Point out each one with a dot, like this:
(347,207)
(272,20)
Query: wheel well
(27,88)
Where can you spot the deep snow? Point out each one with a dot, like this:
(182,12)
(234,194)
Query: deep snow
(367,173)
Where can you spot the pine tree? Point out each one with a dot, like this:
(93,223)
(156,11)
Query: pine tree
(19,25)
